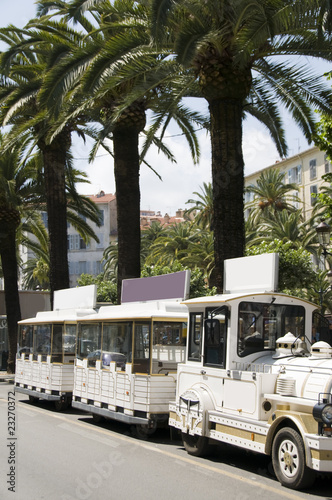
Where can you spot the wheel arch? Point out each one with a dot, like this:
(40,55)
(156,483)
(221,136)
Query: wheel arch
(282,422)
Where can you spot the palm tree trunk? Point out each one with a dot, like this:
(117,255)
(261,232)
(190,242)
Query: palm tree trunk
(54,156)
(126,172)
(12,300)
(227,182)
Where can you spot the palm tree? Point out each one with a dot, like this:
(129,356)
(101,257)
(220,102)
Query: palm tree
(23,69)
(173,245)
(149,235)
(16,188)
(285,226)
(80,212)
(233,49)
(200,254)
(94,69)
(203,206)
(271,195)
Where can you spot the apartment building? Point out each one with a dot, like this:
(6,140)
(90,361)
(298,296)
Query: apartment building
(304,169)
(87,258)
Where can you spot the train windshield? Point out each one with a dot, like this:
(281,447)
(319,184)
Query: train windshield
(260,325)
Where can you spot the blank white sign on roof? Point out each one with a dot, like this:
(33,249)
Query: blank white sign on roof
(83,297)
(257,273)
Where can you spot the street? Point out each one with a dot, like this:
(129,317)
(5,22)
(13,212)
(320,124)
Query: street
(66,456)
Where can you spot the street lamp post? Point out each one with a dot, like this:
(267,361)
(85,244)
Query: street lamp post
(323,231)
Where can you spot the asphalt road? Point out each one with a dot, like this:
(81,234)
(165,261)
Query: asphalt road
(66,456)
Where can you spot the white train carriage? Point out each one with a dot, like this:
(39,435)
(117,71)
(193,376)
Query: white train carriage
(46,347)
(255,375)
(127,360)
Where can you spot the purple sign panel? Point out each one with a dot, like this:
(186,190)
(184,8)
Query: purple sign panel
(166,286)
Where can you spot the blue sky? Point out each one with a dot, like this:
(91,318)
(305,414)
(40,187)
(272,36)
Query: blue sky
(180,180)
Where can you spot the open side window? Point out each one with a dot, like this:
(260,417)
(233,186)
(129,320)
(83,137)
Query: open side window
(215,328)
(195,336)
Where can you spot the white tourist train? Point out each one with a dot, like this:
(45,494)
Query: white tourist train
(122,362)
(46,347)
(254,370)
(257,374)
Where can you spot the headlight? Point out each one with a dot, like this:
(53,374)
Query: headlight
(322,412)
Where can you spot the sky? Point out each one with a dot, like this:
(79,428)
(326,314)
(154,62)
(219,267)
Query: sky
(182,179)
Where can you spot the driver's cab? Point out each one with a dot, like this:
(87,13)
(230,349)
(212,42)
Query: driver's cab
(238,330)
(241,326)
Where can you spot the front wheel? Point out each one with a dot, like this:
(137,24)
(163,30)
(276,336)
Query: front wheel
(288,459)
(198,446)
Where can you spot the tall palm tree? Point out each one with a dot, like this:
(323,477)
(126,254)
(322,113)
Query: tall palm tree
(17,187)
(23,68)
(93,70)
(81,210)
(233,48)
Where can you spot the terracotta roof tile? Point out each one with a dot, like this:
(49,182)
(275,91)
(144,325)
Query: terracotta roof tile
(102,197)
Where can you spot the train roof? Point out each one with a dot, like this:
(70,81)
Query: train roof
(229,297)
(68,315)
(139,310)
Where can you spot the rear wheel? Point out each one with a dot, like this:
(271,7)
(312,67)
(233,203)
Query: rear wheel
(288,459)
(198,446)
(33,399)
(97,418)
(61,405)
(142,431)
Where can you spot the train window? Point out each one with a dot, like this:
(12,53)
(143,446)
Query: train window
(88,344)
(215,327)
(169,333)
(25,340)
(142,347)
(41,341)
(261,324)
(168,348)
(69,340)
(117,344)
(56,356)
(195,336)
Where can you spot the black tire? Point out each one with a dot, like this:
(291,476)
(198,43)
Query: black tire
(97,418)
(198,446)
(288,459)
(142,432)
(61,405)
(33,399)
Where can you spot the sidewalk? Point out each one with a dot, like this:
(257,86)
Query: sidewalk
(7,377)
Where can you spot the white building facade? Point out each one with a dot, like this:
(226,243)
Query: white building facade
(304,169)
(87,258)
